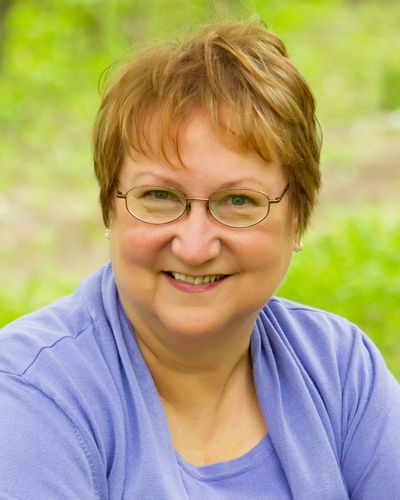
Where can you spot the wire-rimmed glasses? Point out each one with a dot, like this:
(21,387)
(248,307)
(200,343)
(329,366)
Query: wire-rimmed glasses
(231,207)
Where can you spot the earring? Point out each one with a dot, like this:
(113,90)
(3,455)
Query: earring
(107,234)
(298,247)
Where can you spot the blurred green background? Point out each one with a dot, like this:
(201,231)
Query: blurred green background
(51,57)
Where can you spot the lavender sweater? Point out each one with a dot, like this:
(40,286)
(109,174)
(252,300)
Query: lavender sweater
(80,417)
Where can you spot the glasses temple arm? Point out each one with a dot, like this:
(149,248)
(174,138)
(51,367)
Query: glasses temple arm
(278,198)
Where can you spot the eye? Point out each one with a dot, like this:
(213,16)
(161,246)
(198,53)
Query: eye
(239,199)
(244,199)
(159,194)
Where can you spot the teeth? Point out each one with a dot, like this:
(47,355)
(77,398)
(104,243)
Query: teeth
(197,280)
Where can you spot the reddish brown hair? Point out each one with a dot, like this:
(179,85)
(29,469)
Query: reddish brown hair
(239,73)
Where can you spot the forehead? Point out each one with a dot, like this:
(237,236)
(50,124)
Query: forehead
(202,158)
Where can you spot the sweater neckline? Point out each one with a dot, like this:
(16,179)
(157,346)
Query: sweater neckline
(229,468)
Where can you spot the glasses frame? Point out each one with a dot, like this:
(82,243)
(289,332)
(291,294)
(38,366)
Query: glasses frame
(187,207)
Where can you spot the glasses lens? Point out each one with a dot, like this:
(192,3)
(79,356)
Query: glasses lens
(239,207)
(155,204)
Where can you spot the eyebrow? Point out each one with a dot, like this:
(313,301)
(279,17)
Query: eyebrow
(165,181)
(242,183)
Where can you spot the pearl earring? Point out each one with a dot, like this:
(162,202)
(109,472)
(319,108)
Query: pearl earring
(298,247)
(107,234)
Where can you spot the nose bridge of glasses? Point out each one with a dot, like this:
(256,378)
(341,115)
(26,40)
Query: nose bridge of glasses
(189,203)
(197,199)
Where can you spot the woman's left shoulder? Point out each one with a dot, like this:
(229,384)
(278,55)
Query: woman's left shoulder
(308,324)
(319,340)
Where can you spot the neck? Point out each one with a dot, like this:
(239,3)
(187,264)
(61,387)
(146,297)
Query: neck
(195,378)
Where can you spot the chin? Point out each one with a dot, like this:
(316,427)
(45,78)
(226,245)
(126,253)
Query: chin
(194,325)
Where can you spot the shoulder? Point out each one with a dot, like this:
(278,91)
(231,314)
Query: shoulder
(24,341)
(61,362)
(310,325)
(303,316)
(48,362)
(325,345)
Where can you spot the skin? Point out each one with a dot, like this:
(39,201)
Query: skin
(195,338)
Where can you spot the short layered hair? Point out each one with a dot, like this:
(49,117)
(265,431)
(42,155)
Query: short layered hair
(239,74)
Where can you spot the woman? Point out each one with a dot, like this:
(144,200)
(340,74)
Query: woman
(173,372)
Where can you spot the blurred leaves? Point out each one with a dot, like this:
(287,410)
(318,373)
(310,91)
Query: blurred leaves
(52,55)
(390,94)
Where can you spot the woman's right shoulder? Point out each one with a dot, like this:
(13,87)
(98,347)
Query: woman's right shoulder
(55,327)
(23,340)
(48,361)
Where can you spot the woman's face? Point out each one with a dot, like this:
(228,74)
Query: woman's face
(253,260)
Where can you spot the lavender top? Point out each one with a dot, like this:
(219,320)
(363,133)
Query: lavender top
(80,417)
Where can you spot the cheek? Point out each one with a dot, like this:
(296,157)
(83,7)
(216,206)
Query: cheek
(268,258)
(271,245)
(136,248)
(132,246)
(272,261)
(133,261)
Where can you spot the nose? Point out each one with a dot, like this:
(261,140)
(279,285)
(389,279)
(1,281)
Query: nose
(196,239)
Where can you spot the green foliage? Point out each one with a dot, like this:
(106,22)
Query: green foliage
(390,95)
(58,49)
(53,55)
(343,48)
(35,291)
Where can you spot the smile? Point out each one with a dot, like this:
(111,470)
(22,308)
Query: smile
(197,280)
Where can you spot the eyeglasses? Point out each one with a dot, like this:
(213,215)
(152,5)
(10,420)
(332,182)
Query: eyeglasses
(230,207)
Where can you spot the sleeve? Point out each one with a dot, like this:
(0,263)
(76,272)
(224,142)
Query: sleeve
(42,454)
(371,419)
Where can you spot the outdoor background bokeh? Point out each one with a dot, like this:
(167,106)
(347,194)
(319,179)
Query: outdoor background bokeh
(51,57)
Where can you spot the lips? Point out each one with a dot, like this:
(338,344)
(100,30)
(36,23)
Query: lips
(196,280)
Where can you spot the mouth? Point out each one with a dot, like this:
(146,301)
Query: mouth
(196,280)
